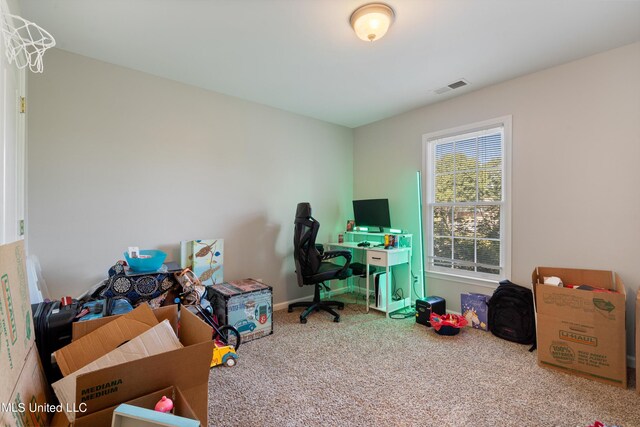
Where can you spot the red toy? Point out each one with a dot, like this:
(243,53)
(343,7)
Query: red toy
(447,324)
(164,405)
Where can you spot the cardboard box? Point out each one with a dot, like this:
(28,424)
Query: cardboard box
(156,340)
(246,305)
(80,329)
(475,309)
(578,331)
(90,347)
(638,343)
(30,401)
(104,417)
(186,368)
(16,324)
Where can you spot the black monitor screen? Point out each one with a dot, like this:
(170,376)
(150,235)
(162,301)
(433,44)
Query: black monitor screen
(372,213)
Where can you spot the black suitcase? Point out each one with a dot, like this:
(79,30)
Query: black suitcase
(52,324)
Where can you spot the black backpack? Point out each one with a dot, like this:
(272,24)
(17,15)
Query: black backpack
(512,314)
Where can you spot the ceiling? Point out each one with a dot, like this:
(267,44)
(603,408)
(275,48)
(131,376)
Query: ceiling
(302,56)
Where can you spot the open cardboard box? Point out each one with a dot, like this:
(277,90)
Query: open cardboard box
(89,347)
(104,417)
(186,368)
(578,331)
(157,340)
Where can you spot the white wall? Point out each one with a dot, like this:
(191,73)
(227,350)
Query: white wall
(576,174)
(118,158)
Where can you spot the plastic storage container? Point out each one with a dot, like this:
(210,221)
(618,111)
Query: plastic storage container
(151,260)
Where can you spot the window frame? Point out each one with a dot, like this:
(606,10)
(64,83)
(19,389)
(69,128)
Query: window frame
(428,185)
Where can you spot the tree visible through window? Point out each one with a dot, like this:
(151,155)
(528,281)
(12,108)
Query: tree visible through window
(466,203)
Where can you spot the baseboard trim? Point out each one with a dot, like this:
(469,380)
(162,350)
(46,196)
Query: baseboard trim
(283,305)
(323,295)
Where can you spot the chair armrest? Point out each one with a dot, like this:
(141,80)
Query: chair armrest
(334,254)
(320,248)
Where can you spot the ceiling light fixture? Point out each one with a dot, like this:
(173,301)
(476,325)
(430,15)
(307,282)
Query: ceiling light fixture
(371,21)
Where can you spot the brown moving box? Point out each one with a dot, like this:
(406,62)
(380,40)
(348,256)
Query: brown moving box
(29,404)
(90,347)
(638,343)
(103,418)
(156,340)
(578,331)
(16,324)
(186,368)
(80,329)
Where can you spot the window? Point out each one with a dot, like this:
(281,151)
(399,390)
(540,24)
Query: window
(467,223)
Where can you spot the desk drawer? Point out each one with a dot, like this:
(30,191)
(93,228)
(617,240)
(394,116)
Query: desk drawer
(378,258)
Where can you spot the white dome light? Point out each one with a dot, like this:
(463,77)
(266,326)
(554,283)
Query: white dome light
(371,21)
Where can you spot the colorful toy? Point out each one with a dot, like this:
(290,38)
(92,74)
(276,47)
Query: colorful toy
(447,324)
(192,298)
(224,355)
(164,405)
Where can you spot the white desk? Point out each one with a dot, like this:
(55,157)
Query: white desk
(386,258)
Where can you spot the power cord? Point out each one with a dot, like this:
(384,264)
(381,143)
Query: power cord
(415,282)
(403,313)
(398,294)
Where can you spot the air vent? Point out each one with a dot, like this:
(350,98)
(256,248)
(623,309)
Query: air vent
(455,85)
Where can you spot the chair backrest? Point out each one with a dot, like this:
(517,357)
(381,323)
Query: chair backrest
(305,253)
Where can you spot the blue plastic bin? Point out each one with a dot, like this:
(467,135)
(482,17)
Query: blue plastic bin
(153,263)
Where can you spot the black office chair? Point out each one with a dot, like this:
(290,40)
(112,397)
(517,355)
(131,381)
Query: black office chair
(312,267)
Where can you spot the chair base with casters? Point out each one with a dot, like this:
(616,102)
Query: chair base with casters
(317,305)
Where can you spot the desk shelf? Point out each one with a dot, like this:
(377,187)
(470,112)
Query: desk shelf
(404,240)
(384,259)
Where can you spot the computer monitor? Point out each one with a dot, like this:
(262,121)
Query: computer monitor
(372,213)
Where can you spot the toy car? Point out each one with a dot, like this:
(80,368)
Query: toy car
(244,325)
(224,355)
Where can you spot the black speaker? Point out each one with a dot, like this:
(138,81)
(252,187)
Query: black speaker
(424,307)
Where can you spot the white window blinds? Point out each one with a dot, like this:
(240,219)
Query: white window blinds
(465,203)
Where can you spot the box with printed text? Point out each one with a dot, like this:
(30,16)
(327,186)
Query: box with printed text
(580,326)
(114,376)
(30,402)
(16,324)
(246,305)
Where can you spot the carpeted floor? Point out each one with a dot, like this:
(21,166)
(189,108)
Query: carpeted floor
(371,371)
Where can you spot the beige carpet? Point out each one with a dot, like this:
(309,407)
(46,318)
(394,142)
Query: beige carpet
(371,371)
